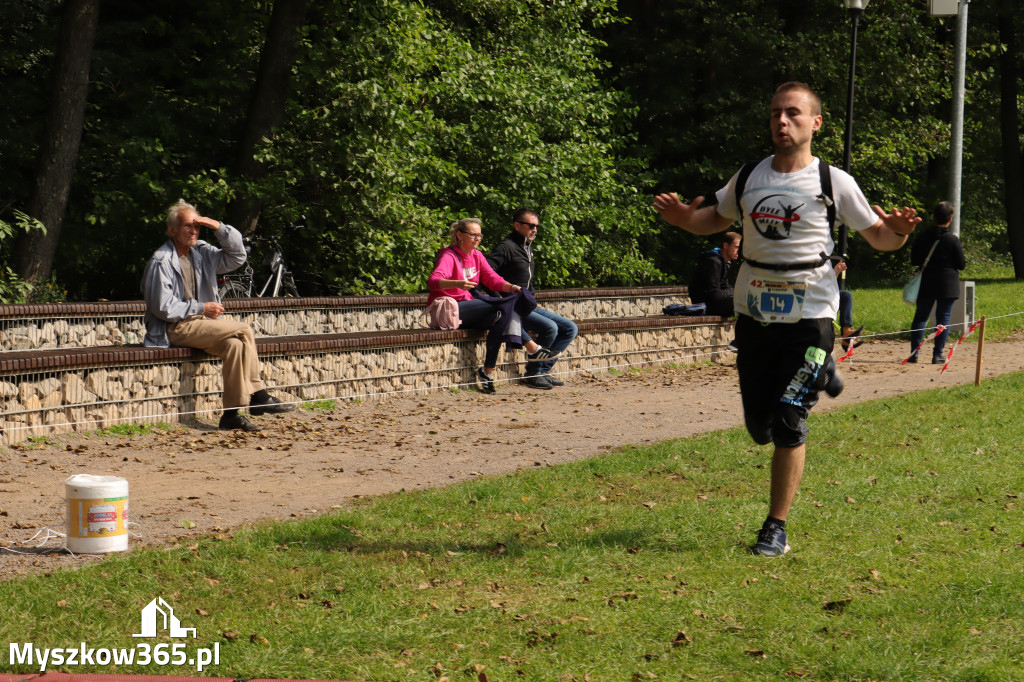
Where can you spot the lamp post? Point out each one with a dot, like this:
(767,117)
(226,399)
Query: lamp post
(856,8)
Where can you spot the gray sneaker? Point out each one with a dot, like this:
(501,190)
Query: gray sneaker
(771,541)
(537,381)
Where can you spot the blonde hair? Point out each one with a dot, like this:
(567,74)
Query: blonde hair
(459,226)
(174,212)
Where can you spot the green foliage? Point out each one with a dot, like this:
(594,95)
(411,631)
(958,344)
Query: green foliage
(408,116)
(12,288)
(403,116)
(703,73)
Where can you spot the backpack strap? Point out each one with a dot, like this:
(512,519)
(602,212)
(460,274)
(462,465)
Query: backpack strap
(741,185)
(825,176)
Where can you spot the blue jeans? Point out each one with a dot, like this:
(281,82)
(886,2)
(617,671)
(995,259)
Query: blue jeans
(845,308)
(943,311)
(476,314)
(550,331)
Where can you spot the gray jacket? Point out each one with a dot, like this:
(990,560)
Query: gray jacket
(163,286)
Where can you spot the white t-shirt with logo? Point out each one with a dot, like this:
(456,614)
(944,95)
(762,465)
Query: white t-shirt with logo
(785,221)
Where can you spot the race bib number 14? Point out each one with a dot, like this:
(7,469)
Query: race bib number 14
(776,300)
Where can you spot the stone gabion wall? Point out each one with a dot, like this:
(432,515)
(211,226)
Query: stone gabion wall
(22,334)
(88,399)
(33,334)
(92,398)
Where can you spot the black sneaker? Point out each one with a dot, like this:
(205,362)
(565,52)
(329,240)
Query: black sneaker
(938,360)
(554,381)
(912,360)
(771,541)
(537,381)
(543,354)
(485,382)
(270,406)
(236,422)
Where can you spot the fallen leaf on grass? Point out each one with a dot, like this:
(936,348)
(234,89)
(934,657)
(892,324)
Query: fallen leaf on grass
(838,605)
(681,639)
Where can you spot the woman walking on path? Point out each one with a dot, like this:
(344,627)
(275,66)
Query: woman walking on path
(940,281)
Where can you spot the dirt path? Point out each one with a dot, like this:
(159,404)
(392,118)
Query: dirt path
(305,463)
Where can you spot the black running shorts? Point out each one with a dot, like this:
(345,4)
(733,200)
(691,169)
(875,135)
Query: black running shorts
(781,368)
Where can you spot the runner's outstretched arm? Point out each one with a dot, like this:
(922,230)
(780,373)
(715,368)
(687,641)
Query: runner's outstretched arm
(690,217)
(892,229)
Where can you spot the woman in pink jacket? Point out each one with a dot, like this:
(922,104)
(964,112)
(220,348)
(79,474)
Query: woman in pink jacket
(458,269)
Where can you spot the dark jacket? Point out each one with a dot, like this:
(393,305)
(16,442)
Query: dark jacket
(512,259)
(940,279)
(710,280)
(513,307)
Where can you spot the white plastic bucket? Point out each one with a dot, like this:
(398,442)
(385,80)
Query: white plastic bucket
(97,515)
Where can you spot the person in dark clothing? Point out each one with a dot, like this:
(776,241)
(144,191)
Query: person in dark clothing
(848,335)
(710,282)
(940,281)
(513,260)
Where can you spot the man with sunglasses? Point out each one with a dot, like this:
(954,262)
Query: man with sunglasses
(513,260)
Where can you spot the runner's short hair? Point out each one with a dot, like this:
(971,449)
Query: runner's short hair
(802,87)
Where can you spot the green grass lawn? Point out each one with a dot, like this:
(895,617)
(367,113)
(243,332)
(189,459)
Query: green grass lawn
(997,296)
(906,564)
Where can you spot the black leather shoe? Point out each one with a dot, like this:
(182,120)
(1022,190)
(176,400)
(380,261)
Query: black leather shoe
(237,422)
(554,381)
(270,406)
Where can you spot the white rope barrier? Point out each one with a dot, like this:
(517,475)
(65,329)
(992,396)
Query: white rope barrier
(168,416)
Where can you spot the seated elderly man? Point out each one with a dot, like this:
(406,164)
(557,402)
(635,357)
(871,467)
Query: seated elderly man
(183,308)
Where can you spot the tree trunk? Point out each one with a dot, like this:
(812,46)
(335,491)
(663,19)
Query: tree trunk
(269,96)
(34,253)
(1009,119)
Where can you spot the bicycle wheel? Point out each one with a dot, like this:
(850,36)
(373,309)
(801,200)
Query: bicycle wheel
(233,289)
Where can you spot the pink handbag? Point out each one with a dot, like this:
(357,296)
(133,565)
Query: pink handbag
(443,312)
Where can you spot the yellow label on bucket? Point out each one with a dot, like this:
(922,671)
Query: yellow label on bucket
(99,518)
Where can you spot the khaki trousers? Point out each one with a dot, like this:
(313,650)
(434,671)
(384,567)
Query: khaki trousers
(234,343)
